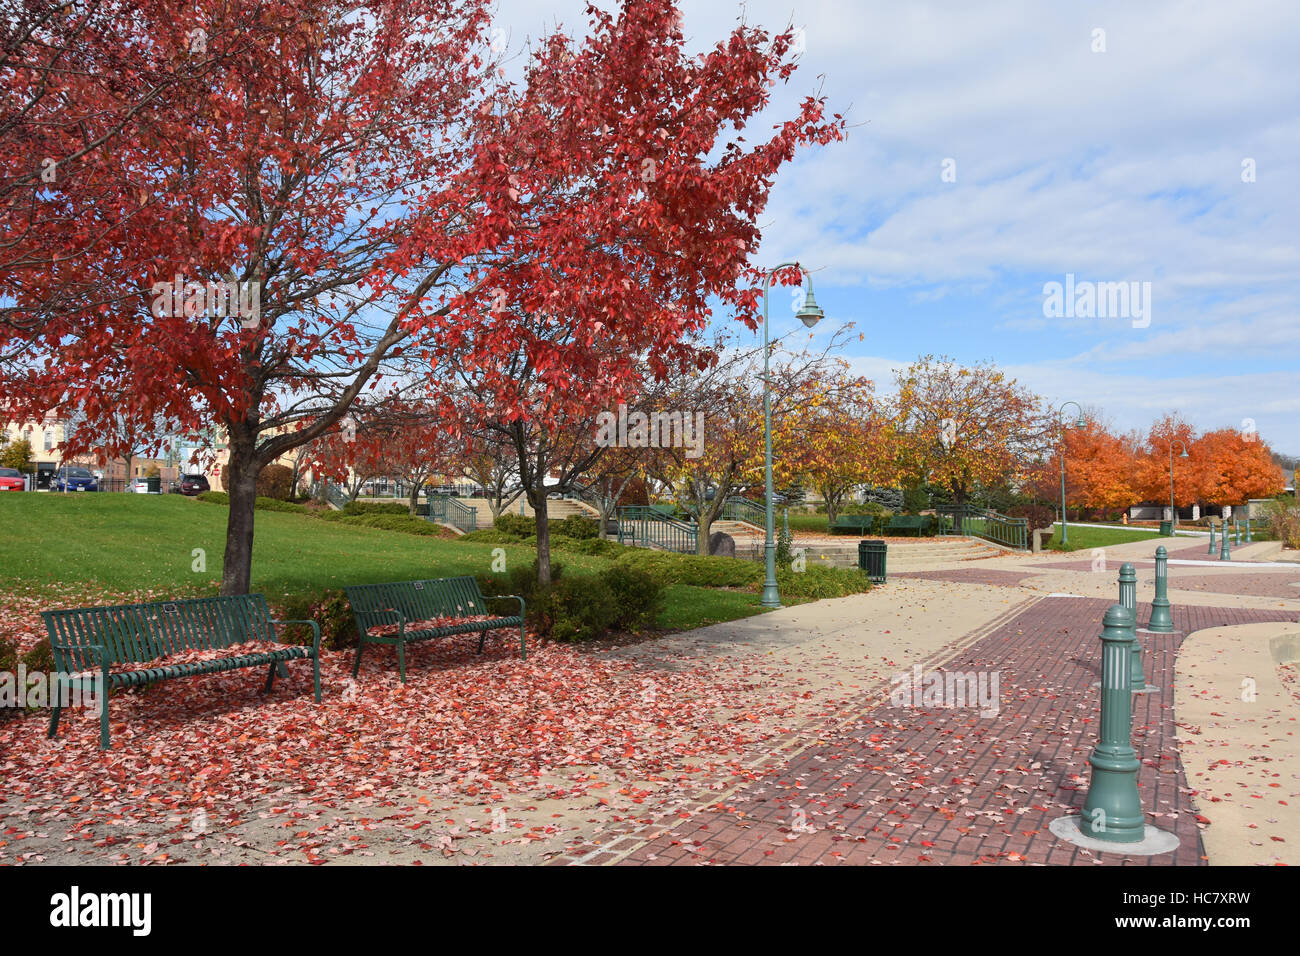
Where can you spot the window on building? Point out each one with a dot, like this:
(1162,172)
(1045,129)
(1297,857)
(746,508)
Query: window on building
(49,439)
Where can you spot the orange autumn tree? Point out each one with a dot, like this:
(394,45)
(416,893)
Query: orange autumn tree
(1151,464)
(1100,467)
(1234,466)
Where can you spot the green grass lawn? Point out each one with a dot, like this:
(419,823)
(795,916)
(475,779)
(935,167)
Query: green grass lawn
(122,542)
(813,523)
(1083,539)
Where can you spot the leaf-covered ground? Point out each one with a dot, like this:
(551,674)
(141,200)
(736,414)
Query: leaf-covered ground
(204,754)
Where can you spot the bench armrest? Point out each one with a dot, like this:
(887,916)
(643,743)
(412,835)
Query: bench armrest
(514,596)
(99,650)
(366,616)
(315,629)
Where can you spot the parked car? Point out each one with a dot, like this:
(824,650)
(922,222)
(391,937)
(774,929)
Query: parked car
(11,479)
(138,486)
(73,478)
(194,485)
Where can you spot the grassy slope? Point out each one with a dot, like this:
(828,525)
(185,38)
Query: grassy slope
(1082,539)
(134,542)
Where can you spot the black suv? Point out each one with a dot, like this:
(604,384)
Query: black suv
(194,485)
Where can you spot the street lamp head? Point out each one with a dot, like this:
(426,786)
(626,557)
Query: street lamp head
(810,313)
(1080,423)
(1184,454)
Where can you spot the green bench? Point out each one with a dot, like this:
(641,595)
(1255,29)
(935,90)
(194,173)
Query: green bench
(87,642)
(862,524)
(404,612)
(919,523)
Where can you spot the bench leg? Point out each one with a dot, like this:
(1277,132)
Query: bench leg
(482,637)
(54,713)
(103,719)
(356,664)
(270,679)
(401,659)
(523,644)
(315,675)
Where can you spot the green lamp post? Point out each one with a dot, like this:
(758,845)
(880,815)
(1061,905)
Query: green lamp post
(810,314)
(1080,423)
(1173,509)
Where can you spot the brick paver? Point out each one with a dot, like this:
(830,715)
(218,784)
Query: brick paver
(947,786)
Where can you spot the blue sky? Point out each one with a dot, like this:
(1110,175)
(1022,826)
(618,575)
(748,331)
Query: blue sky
(1117,165)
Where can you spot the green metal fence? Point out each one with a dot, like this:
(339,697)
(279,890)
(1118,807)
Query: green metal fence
(447,510)
(649,526)
(742,509)
(983,523)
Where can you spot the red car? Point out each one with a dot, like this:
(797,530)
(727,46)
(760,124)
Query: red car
(11,479)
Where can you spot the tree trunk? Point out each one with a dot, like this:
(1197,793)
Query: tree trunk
(415,497)
(702,531)
(538,500)
(832,504)
(237,569)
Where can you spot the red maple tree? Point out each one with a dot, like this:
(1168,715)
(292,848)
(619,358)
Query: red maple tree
(351,188)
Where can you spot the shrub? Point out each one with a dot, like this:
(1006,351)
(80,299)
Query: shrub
(276,504)
(638,597)
(577,527)
(1038,516)
(599,547)
(580,608)
(693,569)
(512,523)
(819,581)
(331,610)
(783,542)
(261,504)
(40,657)
(8,665)
(404,523)
(376,508)
(1283,517)
(273,481)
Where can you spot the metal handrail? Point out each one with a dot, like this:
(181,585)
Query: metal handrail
(333,493)
(647,526)
(737,508)
(451,511)
(987,524)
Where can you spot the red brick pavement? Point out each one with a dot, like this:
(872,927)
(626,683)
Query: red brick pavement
(945,786)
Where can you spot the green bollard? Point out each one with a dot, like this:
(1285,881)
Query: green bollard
(1162,620)
(1225,551)
(1113,810)
(1211,550)
(1128,589)
(1248,529)
(1236,532)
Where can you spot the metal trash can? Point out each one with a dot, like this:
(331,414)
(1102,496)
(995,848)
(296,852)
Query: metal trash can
(154,485)
(1166,529)
(872,558)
